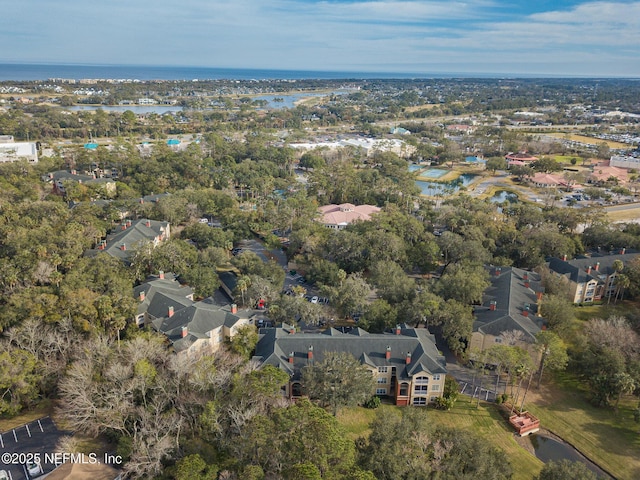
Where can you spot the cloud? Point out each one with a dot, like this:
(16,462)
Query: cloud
(371,35)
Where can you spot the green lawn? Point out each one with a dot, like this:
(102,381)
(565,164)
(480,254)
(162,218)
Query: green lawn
(42,410)
(611,440)
(485,422)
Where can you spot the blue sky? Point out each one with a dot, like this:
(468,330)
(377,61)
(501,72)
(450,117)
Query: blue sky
(542,37)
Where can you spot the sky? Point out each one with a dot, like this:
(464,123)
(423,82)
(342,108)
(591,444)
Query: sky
(525,37)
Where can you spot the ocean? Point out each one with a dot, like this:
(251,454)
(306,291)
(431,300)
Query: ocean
(35,72)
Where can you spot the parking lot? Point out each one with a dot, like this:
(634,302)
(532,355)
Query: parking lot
(38,438)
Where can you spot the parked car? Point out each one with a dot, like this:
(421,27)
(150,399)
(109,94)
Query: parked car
(314,299)
(4,475)
(34,469)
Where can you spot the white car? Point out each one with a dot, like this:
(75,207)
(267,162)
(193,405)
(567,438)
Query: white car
(4,475)
(314,299)
(34,469)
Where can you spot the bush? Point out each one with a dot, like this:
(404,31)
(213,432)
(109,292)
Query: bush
(373,402)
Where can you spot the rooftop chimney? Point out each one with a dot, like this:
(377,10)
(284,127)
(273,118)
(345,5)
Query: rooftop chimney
(234,308)
(498,271)
(142,296)
(597,266)
(526,284)
(123,247)
(290,357)
(525,276)
(398,330)
(148,223)
(310,353)
(387,355)
(184,332)
(564,258)
(589,270)
(408,358)
(170,313)
(623,251)
(492,305)
(161,275)
(525,313)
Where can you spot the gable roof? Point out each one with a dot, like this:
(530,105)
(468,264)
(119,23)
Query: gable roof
(513,292)
(276,345)
(577,270)
(160,292)
(121,243)
(194,322)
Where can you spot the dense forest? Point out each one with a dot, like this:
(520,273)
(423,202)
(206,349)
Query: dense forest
(66,318)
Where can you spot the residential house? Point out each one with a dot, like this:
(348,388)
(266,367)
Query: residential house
(590,279)
(338,217)
(406,363)
(122,242)
(157,295)
(510,311)
(200,328)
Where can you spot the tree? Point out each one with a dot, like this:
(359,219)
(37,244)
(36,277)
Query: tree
(457,324)
(464,284)
(496,163)
(244,341)
(553,352)
(405,445)
(566,470)
(18,380)
(559,313)
(339,380)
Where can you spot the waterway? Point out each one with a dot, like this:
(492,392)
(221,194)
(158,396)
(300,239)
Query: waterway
(504,196)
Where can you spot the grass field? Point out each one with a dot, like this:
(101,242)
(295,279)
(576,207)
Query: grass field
(610,440)
(486,422)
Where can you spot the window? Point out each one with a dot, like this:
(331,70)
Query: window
(404,389)
(383,369)
(433,399)
(419,401)
(421,380)
(435,388)
(420,388)
(436,377)
(382,379)
(498,340)
(381,391)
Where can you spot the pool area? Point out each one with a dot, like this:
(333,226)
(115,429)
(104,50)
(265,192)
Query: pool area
(434,173)
(472,159)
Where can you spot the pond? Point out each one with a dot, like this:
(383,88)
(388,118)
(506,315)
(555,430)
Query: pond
(504,196)
(548,449)
(433,189)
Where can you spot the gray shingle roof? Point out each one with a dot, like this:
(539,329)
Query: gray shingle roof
(576,269)
(511,297)
(199,318)
(276,345)
(122,241)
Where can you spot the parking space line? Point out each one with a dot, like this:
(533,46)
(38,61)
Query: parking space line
(40,425)
(1,441)
(28,431)
(15,436)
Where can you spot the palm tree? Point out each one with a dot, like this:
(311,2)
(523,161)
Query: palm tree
(617,268)
(244,282)
(622,282)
